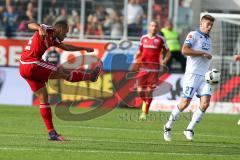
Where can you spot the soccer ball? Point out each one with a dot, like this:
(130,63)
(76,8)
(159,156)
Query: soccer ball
(213,77)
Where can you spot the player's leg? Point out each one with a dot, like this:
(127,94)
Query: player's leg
(45,109)
(151,83)
(149,97)
(46,113)
(197,117)
(77,75)
(50,71)
(142,94)
(36,75)
(82,75)
(147,103)
(189,88)
(151,80)
(40,91)
(204,92)
(141,90)
(174,117)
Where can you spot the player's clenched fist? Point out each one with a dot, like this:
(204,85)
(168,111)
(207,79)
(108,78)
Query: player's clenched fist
(207,55)
(42,32)
(236,57)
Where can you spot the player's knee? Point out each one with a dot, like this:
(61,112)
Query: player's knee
(42,95)
(184,103)
(140,92)
(58,75)
(139,89)
(149,91)
(204,105)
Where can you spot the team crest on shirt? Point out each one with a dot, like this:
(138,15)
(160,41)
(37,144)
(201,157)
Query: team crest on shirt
(145,41)
(155,41)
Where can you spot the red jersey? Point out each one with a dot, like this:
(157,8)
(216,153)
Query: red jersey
(151,48)
(37,46)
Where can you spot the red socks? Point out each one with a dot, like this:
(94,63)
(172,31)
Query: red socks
(46,114)
(148,103)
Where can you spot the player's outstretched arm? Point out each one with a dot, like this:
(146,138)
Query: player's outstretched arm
(187,51)
(68,47)
(37,27)
(34,26)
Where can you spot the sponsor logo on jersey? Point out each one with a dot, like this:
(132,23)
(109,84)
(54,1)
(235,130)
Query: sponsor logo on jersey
(149,46)
(205,46)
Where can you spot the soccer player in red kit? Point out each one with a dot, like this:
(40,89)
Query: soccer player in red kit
(149,57)
(37,72)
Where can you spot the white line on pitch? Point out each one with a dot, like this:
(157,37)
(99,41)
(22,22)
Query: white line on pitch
(125,141)
(106,151)
(141,130)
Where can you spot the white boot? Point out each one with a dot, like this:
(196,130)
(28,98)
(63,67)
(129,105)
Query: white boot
(188,134)
(167,134)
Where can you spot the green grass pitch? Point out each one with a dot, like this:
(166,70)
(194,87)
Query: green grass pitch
(116,135)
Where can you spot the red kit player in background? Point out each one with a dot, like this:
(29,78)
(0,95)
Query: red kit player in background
(150,59)
(37,72)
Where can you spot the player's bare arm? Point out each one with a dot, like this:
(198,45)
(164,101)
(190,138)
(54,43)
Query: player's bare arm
(39,28)
(166,58)
(68,47)
(137,56)
(187,51)
(137,60)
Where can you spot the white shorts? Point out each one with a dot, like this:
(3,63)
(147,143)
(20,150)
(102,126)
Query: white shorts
(195,83)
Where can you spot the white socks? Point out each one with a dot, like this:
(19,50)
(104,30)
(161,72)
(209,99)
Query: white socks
(173,117)
(196,118)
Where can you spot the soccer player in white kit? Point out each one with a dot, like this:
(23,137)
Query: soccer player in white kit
(197,47)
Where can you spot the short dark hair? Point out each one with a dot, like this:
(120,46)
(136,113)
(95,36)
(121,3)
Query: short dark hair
(208,17)
(61,24)
(154,21)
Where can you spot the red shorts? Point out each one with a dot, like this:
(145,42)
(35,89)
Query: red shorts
(36,74)
(147,79)
(148,75)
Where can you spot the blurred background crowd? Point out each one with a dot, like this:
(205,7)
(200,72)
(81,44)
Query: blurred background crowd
(106,19)
(102,18)
(119,19)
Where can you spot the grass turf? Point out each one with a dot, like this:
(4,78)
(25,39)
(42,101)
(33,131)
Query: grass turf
(116,135)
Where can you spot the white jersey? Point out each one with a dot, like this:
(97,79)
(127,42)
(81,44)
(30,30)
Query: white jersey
(200,42)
